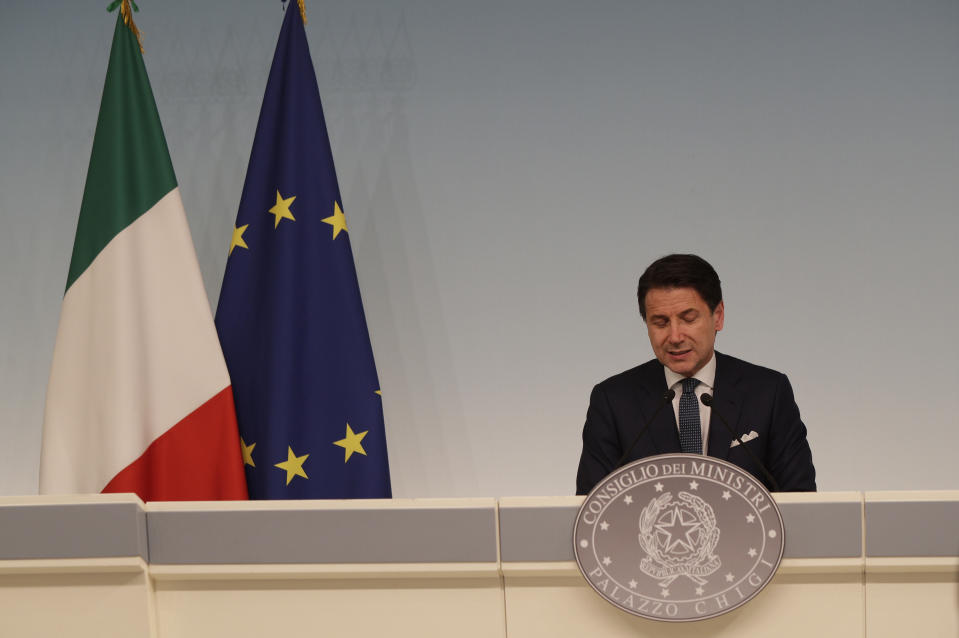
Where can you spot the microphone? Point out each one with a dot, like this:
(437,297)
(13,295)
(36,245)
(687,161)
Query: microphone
(667,398)
(707,400)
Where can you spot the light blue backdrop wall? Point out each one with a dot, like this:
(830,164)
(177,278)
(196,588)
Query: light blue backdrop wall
(509,168)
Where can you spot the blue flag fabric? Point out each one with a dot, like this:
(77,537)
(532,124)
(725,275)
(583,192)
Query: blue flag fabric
(290,316)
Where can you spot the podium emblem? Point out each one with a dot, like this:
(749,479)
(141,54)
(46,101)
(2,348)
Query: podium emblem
(689,554)
(678,537)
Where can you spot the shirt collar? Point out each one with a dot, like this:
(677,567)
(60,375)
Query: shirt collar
(706,375)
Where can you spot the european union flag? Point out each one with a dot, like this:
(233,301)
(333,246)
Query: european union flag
(290,317)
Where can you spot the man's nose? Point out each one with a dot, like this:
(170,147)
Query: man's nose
(675,334)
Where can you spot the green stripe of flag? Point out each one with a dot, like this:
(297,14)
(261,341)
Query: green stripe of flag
(130,167)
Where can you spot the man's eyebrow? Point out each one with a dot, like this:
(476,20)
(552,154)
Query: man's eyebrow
(689,311)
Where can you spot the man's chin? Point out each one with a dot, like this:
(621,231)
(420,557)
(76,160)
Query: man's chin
(682,367)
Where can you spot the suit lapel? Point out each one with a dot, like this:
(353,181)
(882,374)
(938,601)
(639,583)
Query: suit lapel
(663,431)
(728,401)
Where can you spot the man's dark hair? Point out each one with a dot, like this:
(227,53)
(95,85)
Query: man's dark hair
(681,271)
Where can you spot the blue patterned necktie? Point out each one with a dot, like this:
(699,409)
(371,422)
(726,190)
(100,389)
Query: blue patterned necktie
(690,431)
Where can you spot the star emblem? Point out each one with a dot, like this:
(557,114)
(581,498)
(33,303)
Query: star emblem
(237,239)
(752,552)
(293,465)
(604,526)
(337,220)
(726,495)
(352,442)
(632,584)
(750,518)
(700,591)
(659,487)
(628,499)
(693,485)
(607,561)
(678,528)
(729,578)
(247,451)
(281,209)
(664,593)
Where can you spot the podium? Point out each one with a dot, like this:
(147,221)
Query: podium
(871,564)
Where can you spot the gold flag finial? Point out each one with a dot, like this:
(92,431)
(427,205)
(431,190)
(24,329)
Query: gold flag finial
(302,6)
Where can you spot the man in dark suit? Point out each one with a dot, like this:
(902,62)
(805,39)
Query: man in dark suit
(680,299)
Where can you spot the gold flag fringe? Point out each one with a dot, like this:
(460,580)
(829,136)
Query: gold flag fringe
(302,6)
(127,14)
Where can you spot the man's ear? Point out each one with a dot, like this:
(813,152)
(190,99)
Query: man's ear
(719,315)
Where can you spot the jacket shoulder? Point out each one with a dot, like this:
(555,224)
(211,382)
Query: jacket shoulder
(643,374)
(732,363)
(726,365)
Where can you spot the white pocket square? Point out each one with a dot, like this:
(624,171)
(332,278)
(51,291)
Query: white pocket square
(753,434)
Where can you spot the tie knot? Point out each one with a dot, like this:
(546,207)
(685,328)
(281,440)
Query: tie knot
(689,385)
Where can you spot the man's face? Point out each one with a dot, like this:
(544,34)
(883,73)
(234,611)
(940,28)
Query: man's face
(681,328)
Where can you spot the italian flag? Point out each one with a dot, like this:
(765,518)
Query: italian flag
(139,398)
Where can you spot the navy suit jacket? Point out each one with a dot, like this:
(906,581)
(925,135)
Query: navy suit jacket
(752,398)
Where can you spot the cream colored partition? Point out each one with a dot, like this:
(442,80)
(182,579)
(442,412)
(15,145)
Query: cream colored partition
(332,568)
(912,564)
(879,565)
(817,592)
(74,567)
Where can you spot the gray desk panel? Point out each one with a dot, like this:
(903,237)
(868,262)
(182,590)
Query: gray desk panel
(822,530)
(537,533)
(916,528)
(813,530)
(323,536)
(81,530)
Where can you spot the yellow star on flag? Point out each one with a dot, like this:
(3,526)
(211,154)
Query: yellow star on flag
(238,238)
(281,209)
(352,442)
(293,465)
(337,220)
(247,452)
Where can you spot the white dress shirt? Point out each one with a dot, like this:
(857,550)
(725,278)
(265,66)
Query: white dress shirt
(707,378)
